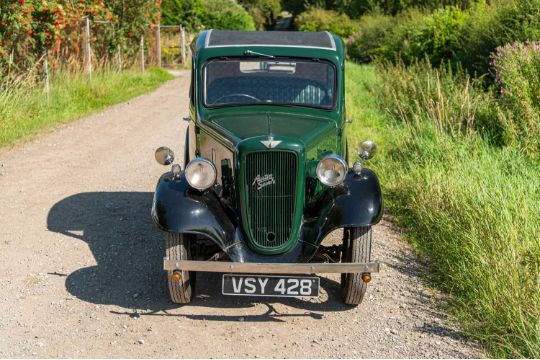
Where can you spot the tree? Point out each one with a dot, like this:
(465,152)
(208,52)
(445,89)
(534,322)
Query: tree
(188,13)
(134,16)
(357,8)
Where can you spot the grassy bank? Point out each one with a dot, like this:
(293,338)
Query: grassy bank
(472,209)
(25,110)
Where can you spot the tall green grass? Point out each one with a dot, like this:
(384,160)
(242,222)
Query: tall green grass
(472,209)
(517,73)
(25,109)
(447,99)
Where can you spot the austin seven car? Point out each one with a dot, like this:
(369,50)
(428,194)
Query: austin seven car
(267,172)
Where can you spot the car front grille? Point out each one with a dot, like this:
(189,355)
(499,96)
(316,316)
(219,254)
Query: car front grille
(270,183)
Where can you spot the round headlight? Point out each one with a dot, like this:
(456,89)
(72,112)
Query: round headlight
(200,173)
(331,170)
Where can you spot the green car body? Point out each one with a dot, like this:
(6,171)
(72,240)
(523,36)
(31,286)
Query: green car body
(288,222)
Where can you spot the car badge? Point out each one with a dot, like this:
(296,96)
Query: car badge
(271,143)
(263,181)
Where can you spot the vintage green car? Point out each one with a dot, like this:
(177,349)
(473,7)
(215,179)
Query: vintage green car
(267,174)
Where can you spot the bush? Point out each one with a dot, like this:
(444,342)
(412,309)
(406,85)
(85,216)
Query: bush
(188,13)
(356,8)
(195,15)
(226,14)
(317,19)
(496,24)
(263,12)
(409,36)
(384,36)
(437,38)
(373,38)
(517,70)
(465,37)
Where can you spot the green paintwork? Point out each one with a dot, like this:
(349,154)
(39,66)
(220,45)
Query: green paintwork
(310,133)
(256,123)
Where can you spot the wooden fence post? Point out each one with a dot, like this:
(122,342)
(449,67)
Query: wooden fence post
(158,45)
(119,51)
(88,48)
(142,52)
(47,79)
(183,45)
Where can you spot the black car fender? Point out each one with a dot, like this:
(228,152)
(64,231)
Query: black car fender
(179,208)
(357,202)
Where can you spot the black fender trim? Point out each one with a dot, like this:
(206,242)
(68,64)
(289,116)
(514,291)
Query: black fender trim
(357,202)
(179,208)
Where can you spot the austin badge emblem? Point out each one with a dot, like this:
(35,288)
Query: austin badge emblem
(261,181)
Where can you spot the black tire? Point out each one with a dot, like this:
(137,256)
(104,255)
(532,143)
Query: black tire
(356,248)
(177,248)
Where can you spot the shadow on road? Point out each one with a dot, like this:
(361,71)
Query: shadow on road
(128,249)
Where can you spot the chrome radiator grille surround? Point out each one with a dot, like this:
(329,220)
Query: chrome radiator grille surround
(270,189)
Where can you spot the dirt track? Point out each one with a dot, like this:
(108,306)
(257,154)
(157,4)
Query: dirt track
(80,263)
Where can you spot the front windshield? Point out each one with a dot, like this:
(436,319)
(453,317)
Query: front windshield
(269,82)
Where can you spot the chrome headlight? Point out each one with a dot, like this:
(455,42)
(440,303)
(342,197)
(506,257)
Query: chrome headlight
(367,150)
(200,173)
(331,170)
(164,155)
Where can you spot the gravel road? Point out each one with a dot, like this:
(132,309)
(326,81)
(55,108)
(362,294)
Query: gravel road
(80,263)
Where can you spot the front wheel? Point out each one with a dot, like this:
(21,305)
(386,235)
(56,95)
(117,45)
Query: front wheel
(356,248)
(177,247)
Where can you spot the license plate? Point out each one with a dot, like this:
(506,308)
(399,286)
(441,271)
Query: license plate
(268,285)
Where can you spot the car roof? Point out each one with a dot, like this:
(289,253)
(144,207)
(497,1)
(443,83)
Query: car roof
(223,43)
(223,38)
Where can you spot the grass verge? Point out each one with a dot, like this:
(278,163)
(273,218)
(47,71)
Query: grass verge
(25,110)
(470,208)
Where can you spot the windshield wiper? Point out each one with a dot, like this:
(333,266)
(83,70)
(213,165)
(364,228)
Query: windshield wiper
(249,52)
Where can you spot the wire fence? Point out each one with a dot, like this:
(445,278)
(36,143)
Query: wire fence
(91,46)
(160,45)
